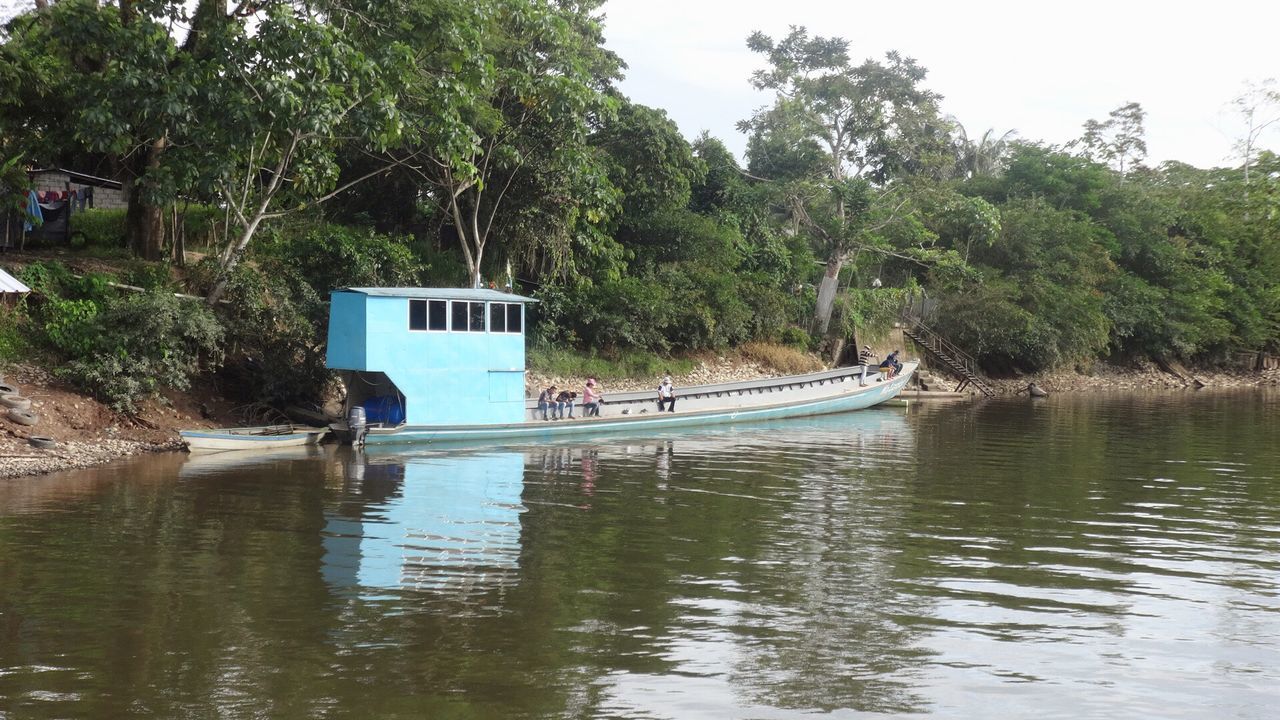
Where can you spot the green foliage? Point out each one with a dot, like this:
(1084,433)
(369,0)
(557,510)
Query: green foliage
(69,325)
(328,256)
(13,334)
(149,276)
(99,227)
(139,344)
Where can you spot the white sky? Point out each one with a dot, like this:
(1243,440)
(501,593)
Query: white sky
(1041,68)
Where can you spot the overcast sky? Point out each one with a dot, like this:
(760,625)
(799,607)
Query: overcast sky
(1040,68)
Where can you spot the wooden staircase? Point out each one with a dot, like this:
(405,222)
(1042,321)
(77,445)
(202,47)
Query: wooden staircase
(948,355)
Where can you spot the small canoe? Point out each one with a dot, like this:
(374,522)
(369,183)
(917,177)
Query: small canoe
(251,438)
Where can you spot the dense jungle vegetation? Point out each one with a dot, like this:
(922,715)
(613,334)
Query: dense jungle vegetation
(298,147)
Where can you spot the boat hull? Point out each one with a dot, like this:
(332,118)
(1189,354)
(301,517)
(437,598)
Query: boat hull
(843,396)
(222,441)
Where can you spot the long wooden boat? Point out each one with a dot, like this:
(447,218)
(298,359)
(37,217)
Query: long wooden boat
(820,393)
(251,438)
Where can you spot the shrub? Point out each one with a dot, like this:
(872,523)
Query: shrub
(797,338)
(142,343)
(68,325)
(13,336)
(149,275)
(328,256)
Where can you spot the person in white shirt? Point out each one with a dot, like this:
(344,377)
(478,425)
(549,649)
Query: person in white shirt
(666,394)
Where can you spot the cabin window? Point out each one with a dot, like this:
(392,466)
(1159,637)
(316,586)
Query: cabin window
(467,316)
(429,315)
(417,314)
(438,315)
(497,317)
(505,318)
(514,318)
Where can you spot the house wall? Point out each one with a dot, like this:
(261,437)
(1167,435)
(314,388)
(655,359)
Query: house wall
(447,378)
(103,198)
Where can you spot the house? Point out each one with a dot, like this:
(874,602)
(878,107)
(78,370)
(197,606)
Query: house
(101,192)
(430,356)
(60,194)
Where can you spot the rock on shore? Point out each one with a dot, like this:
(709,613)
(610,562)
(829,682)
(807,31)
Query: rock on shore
(18,458)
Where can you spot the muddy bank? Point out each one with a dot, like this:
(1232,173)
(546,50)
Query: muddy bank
(1139,376)
(84,432)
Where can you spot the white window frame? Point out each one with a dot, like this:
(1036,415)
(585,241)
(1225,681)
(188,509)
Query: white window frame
(428,301)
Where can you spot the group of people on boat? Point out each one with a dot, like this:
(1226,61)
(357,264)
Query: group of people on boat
(889,367)
(554,404)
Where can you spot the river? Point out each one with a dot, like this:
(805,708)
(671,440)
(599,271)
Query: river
(1094,556)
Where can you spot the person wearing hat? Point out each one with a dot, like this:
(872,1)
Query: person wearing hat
(591,399)
(666,394)
(866,359)
(547,400)
(564,401)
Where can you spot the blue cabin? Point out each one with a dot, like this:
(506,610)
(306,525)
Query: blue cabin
(430,356)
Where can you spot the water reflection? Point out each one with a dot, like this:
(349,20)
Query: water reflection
(1082,557)
(448,522)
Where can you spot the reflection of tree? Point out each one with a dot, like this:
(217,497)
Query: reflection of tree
(657,587)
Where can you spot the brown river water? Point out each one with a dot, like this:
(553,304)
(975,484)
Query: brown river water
(1095,556)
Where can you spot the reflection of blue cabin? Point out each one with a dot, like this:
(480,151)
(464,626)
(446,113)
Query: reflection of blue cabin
(450,522)
(425,356)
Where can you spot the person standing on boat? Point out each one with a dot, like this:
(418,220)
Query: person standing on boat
(866,358)
(564,401)
(591,399)
(666,394)
(546,401)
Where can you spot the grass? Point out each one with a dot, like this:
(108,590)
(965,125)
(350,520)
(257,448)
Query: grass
(786,360)
(632,365)
(13,342)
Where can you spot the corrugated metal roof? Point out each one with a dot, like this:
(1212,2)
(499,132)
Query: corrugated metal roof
(442,294)
(11,284)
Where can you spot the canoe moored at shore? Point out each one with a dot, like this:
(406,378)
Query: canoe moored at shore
(822,393)
(433,364)
(251,438)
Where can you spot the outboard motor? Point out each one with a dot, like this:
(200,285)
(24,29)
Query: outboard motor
(357,425)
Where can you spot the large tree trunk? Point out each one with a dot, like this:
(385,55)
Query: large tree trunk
(144,221)
(827,295)
(144,226)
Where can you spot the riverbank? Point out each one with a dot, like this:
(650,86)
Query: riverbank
(1141,375)
(87,433)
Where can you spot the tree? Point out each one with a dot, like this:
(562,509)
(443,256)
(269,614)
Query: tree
(839,135)
(280,104)
(1259,107)
(984,156)
(518,158)
(1119,141)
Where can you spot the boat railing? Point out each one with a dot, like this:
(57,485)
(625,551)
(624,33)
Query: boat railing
(733,389)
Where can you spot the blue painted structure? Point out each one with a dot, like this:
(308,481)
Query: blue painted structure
(446,523)
(461,373)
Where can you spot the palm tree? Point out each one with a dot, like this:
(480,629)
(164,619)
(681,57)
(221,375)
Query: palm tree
(985,156)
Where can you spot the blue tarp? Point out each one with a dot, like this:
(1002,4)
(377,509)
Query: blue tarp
(387,410)
(33,210)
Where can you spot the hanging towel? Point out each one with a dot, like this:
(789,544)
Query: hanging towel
(33,211)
